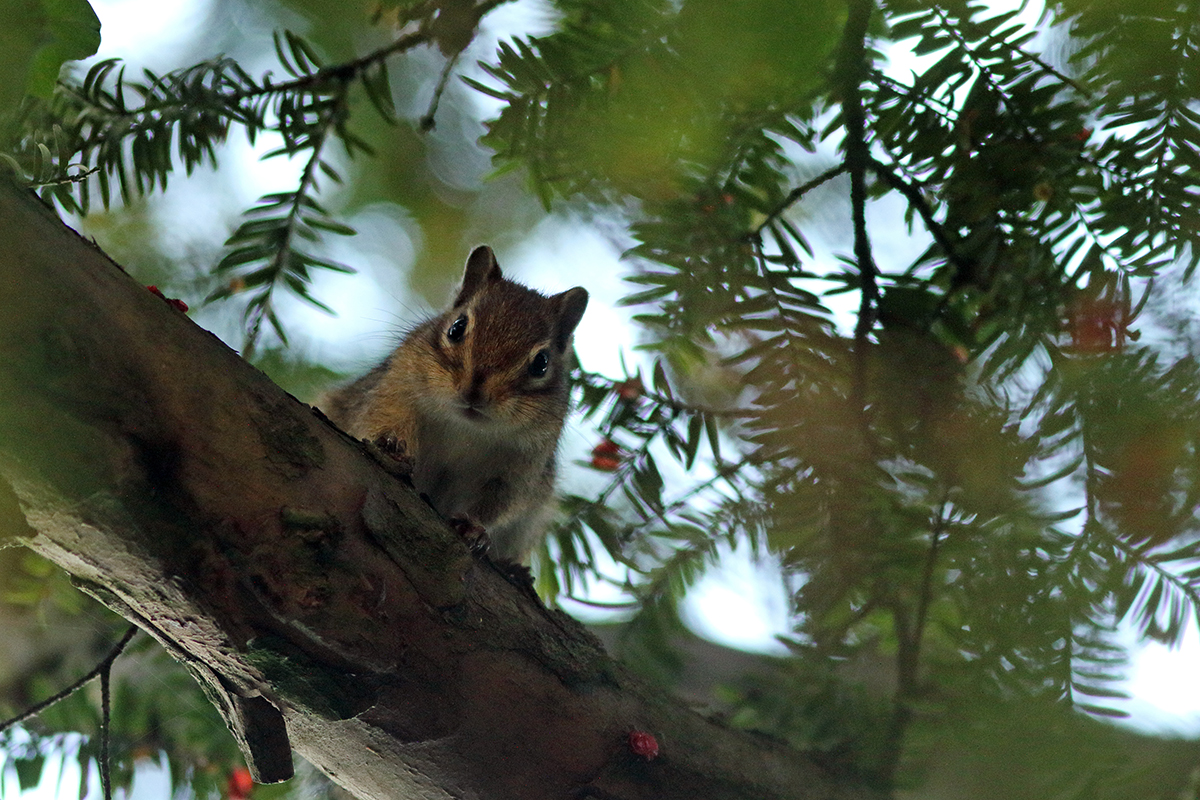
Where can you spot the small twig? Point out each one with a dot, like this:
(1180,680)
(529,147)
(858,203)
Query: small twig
(795,194)
(428,122)
(105,727)
(927,576)
(917,200)
(77,178)
(352,69)
(100,668)
(1067,79)
(909,636)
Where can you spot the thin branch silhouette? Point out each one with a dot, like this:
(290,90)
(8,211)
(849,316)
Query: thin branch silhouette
(101,669)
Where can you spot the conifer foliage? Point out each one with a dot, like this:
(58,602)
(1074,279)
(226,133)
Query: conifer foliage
(974,479)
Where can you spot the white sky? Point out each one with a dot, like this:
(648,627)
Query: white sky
(743,604)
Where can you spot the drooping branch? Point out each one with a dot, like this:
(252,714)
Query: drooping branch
(917,201)
(321,604)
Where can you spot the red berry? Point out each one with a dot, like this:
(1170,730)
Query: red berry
(643,744)
(176,304)
(607,447)
(631,389)
(606,456)
(606,463)
(240,784)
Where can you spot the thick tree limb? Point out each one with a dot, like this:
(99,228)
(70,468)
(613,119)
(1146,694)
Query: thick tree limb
(316,597)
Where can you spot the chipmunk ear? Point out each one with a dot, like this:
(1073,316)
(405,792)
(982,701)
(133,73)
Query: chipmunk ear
(481,270)
(571,305)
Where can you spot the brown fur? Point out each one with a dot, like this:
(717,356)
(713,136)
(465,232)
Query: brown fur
(482,432)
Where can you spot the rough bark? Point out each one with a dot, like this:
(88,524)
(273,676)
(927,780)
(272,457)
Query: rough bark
(321,603)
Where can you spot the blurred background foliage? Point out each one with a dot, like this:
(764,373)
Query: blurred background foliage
(911,288)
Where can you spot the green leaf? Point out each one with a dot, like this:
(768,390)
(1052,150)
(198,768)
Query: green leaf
(36,38)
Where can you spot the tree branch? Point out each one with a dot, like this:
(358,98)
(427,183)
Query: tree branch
(852,71)
(917,200)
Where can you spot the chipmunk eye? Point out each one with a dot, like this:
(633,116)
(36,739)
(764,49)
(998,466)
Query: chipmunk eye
(539,364)
(457,329)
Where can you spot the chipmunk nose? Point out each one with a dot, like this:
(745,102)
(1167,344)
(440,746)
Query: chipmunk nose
(474,394)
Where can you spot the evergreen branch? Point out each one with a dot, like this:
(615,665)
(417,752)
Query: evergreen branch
(353,70)
(1174,109)
(335,76)
(612,386)
(1139,559)
(651,424)
(100,669)
(1096,238)
(339,74)
(725,472)
(193,106)
(1080,554)
(628,477)
(948,112)
(279,263)
(620,478)
(917,199)
(427,121)
(985,74)
(681,568)
(1033,58)
(943,108)
(789,348)
(1049,69)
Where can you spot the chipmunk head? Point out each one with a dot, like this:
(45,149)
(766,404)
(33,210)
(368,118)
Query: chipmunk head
(505,346)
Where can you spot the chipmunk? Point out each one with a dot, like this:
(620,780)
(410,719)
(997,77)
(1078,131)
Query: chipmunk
(476,398)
